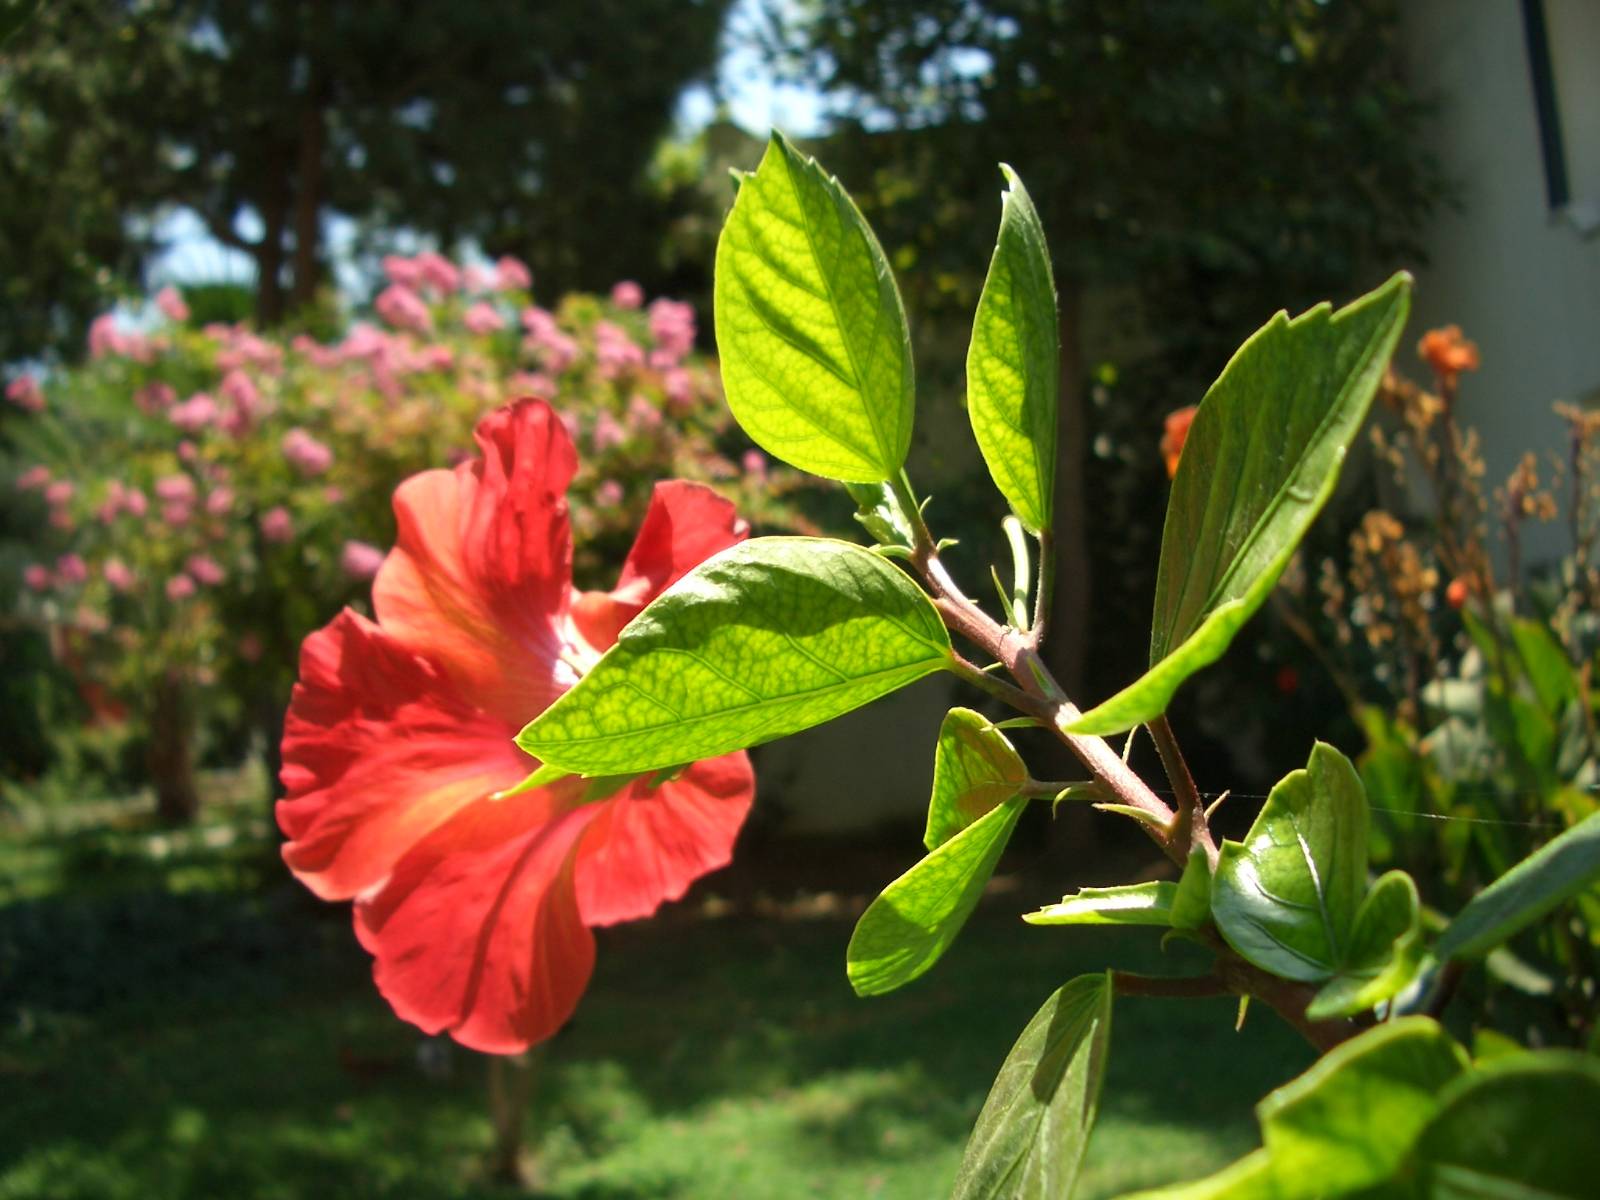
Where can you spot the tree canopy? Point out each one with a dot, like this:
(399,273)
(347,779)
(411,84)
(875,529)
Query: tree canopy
(528,128)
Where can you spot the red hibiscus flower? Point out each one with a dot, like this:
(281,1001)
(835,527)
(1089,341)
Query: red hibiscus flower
(478,908)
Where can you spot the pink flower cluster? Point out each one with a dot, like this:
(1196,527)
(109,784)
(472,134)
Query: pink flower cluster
(107,341)
(305,454)
(614,351)
(24,391)
(672,329)
(555,349)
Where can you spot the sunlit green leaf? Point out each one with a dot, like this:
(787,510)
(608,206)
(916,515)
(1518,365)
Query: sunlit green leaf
(1261,458)
(816,359)
(1031,1135)
(767,638)
(1381,954)
(912,923)
(880,514)
(1191,906)
(1557,871)
(974,769)
(1014,362)
(1130,904)
(1286,897)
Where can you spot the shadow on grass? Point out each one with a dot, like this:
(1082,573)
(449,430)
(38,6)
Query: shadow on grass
(229,1043)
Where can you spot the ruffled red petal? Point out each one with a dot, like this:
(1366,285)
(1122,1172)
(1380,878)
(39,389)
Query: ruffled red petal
(685,525)
(378,749)
(480,576)
(648,846)
(478,932)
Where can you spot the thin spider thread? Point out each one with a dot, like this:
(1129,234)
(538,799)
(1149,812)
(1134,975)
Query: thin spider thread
(1552,823)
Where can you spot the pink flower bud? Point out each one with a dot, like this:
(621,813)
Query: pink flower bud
(37,577)
(205,570)
(59,493)
(175,489)
(438,272)
(194,414)
(755,464)
(70,568)
(33,478)
(359,560)
(220,502)
(305,454)
(608,494)
(180,587)
(171,305)
(176,514)
(403,309)
(627,294)
(607,432)
(482,319)
(513,274)
(118,575)
(24,391)
(134,503)
(277,525)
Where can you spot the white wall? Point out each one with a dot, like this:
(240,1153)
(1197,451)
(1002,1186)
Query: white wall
(1520,280)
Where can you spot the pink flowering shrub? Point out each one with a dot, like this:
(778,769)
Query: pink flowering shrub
(206,497)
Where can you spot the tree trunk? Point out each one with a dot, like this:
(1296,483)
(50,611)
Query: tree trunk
(170,758)
(308,201)
(270,298)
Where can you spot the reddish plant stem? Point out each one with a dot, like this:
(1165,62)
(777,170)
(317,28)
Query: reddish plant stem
(1126,983)
(1039,695)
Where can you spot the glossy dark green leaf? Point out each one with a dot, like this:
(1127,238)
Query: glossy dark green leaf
(816,358)
(1346,1125)
(1130,904)
(767,638)
(1014,362)
(1349,1121)
(916,918)
(1286,898)
(1260,460)
(1562,868)
(1382,952)
(1521,1127)
(1030,1137)
(975,769)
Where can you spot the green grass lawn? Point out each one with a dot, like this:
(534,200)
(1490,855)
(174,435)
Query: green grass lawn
(196,1026)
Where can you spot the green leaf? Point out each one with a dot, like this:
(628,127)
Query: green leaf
(1130,904)
(878,511)
(1260,460)
(975,769)
(1191,906)
(1014,362)
(1383,952)
(767,638)
(1349,1121)
(910,926)
(1030,1137)
(1287,897)
(1345,1125)
(1557,871)
(1518,1127)
(816,359)
(14,14)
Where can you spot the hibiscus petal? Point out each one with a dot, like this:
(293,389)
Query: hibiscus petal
(480,576)
(378,749)
(647,846)
(686,524)
(477,931)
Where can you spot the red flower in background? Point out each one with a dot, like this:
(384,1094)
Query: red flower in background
(1173,436)
(478,909)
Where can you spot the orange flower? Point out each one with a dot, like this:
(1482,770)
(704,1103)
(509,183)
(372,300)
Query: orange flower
(1175,434)
(1448,353)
